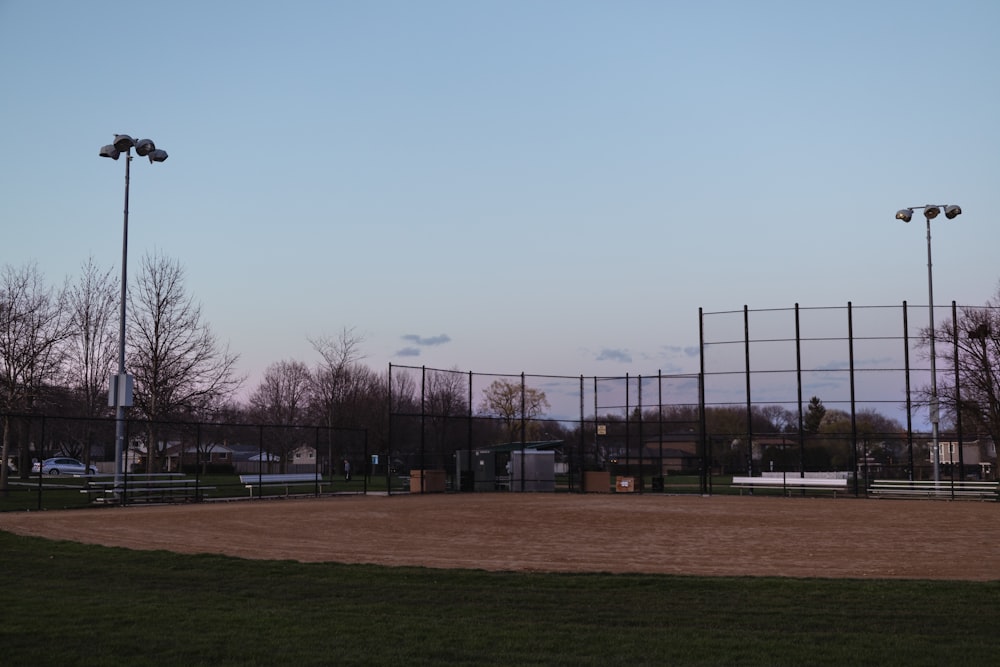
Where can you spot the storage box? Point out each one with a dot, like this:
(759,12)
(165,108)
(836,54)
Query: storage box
(427,481)
(596,481)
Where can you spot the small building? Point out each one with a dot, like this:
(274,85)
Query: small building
(501,467)
(533,470)
(673,453)
(303,455)
(977,457)
(180,455)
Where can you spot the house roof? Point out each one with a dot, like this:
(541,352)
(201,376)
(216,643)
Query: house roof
(189,448)
(518,446)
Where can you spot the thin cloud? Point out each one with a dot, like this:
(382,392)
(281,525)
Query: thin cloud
(619,356)
(431,341)
(876,363)
(408,352)
(689,351)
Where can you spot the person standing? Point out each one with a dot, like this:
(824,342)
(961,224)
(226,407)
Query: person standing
(347,470)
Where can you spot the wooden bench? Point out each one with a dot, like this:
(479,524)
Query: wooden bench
(286,480)
(791,483)
(942,489)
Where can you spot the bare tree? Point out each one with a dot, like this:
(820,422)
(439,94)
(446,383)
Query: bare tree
(92,303)
(332,379)
(281,397)
(400,395)
(976,338)
(33,327)
(281,400)
(514,404)
(782,419)
(404,392)
(336,377)
(179,366)
(447,393)
(446,398)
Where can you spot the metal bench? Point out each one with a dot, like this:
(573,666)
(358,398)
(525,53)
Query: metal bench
(790,483)
(156,487)
(286,480)
(941,489)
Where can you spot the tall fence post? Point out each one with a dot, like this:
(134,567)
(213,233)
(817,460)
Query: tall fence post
(798,382)
(746,351)
(958,397)
(854,415)
(524,430)
(659,429)
(628,419)
(909,399)
(582,466)
(468,444)
(706,455)
(706,448)
(642,439)
(423,428)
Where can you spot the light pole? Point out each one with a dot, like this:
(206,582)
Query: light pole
(120,391)
(932,211)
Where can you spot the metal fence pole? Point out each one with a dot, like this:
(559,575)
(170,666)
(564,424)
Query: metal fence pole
(909,399)
(854,419)
(746,351)
(958,396)
(798,377)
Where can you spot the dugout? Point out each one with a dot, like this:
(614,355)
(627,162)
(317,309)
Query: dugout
(533,470)
(504,466)
(476,470)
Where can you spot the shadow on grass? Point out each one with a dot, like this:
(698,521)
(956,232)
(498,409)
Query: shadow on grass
(67,603)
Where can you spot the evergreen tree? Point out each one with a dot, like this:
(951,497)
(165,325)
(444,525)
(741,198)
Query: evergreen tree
(814,416)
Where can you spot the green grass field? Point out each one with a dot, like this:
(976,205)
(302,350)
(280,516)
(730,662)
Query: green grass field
(71,604)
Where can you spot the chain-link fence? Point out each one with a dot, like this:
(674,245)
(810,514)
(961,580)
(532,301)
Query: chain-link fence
(838,392)
(67,462)
(470,431)
(841,391)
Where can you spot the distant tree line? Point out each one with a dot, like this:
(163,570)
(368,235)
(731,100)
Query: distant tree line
(59,347)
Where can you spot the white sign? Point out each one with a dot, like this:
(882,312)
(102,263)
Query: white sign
(120,387)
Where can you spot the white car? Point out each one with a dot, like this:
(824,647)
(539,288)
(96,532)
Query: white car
(63,466)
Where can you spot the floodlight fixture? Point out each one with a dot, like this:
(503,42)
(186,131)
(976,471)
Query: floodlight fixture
(123,142)
(932,211)
(157,155)
(144,147)
(121,384)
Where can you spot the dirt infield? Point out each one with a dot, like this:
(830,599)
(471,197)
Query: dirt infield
(789,537)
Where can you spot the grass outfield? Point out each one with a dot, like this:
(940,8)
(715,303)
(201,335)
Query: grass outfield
(65,603)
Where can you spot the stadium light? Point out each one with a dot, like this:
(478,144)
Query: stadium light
(931,211)
(120,391)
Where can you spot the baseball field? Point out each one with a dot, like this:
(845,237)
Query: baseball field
(506,579)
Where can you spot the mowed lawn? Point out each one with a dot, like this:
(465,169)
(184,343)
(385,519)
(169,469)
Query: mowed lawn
(70,604)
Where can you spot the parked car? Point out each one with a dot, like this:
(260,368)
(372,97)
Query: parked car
(63,466)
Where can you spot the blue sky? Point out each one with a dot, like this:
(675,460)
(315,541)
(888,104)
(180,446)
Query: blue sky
(551,187)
